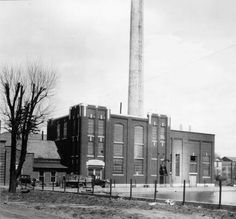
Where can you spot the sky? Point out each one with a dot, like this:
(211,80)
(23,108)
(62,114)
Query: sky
(189,57)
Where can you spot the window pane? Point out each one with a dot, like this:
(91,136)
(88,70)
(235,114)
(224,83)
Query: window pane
(162,133)
(118,133)
(138,151)
(154,150)
(117,166)
(65,130)
(100,148)
(138,166)
(118,150)
(90,148)
(101,125)
(154,133)
(53,176)
(206,169)
(91,126)
(193,164)
(58,130)
(138,135)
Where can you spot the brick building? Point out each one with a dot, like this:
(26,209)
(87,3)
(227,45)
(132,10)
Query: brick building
(42,160)
(92,141)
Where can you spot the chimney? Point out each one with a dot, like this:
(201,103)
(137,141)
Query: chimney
(120,107)
(136,90)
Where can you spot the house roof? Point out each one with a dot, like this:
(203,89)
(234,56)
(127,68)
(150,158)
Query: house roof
(40,148)
(229,159)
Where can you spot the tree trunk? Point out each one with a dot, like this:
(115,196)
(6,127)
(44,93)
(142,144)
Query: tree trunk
(12,182)
(22,154)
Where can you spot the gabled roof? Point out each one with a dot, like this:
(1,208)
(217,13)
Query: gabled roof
(229,159)
(40,148)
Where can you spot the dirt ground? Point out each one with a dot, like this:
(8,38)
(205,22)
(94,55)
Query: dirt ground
(51,205)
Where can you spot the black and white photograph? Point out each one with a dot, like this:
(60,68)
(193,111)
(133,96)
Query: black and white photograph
(117,109)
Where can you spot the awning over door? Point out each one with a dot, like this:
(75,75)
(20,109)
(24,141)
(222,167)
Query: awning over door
(95,163)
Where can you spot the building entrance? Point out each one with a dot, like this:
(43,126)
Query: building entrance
(95,168)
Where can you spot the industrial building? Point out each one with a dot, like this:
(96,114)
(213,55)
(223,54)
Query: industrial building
(92,141)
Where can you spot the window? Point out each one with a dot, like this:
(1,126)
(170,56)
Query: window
(100,148)
(154,133)
(118,149)
(154,150)
(91,148)
(58,130)
(206,167)
(101,126)
(118,165)
(177,164)
(138,149)
(162,133)
(41,176)
(193,164)
(138,166)
(90,126)
(65,130)
(53,176)
(118,133)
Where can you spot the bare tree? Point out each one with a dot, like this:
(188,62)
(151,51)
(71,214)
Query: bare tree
(26,96)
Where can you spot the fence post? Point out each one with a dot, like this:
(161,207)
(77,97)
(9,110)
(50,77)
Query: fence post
(220,193)
(93,182)
(155,191)
(78,186)
(42,183)
(184,193)
(130,189)
(110,187)
(64,185)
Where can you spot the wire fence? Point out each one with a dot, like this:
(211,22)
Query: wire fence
(153,192)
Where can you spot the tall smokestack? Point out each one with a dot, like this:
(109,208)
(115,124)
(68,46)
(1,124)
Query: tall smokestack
(135,98)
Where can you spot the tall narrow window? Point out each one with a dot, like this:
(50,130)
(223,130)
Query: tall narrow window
(90,148)
(162,133)
(41,176)
(91,129)
(100,148)
(65,130)
(177,164)
(138,149)
(193,164)
(206,167)
(101,127)
(53,176)
(154,141)
(118,149)
(58,130)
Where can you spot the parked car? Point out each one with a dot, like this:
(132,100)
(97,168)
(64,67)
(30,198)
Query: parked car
(25,179)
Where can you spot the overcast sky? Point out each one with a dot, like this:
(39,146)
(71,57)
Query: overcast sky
(189,56)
